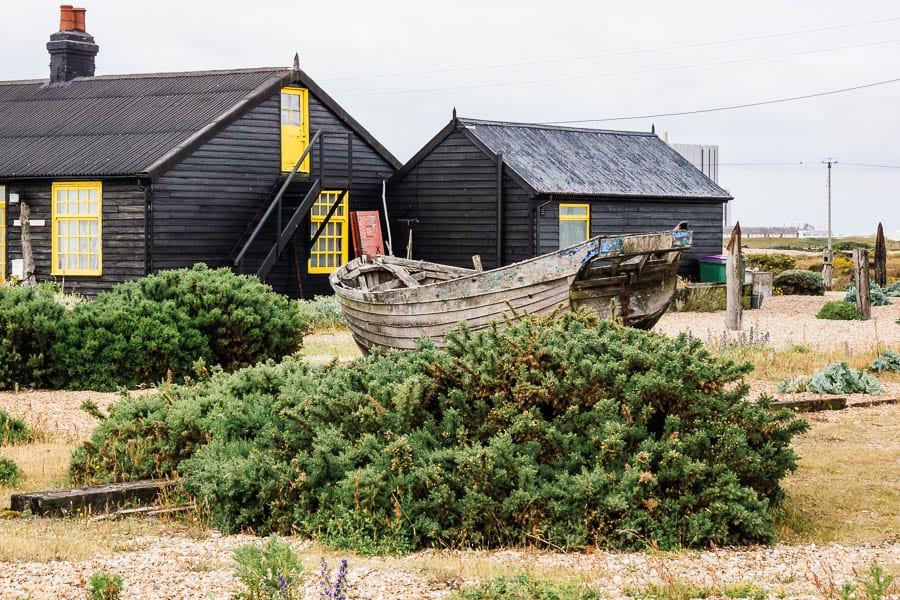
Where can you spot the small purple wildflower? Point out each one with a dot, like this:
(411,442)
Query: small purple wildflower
(336,590)
(283,588)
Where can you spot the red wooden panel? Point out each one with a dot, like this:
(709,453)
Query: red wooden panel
(366,229)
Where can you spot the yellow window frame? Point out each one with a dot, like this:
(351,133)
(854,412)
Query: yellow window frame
(77,228)
(331,249)
(294,112)
(2,234)
(586,217)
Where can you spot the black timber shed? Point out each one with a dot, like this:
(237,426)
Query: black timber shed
(500,190)
(126,175)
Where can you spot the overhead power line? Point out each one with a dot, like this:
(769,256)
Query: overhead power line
(732,107)
(630,52)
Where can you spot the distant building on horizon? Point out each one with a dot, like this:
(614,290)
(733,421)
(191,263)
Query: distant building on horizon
(706,158)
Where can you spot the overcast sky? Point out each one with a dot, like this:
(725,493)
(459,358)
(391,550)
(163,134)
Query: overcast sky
(400,67)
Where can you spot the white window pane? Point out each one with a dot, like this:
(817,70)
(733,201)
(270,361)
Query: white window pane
(61,244)
(95,227)
(60,208)
(285,118)
(92,208)
(73,263)
(295,101)
(95,262)
(295,118)
(83,245)
(285,100)
(95,244)
(60,195)
(72,195)
(573,211)
(82,195)
(83,226)
(73,244)
(93,195)
(61,263)
(83,261)
(571,232)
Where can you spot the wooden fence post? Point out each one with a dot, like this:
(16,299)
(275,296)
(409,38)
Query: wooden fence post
(880,257)
(27,255)
(734,281)
(861,274)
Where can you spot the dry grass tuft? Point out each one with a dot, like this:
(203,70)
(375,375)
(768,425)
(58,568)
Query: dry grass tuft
(847,489)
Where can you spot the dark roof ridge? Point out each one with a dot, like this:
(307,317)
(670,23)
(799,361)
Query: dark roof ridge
(467,120)
(115,76)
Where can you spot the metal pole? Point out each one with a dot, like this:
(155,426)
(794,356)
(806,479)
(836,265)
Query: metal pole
(828,256)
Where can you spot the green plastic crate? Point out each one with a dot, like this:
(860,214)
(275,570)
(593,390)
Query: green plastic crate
(712,268)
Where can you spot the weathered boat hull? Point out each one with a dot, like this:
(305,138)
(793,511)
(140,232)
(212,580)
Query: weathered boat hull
(631,278)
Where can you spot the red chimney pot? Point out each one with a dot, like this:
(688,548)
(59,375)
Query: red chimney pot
(66,17)
(79,18)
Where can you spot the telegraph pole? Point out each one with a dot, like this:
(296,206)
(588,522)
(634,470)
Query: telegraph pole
(828,256)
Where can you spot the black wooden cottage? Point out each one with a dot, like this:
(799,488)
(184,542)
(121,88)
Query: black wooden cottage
(510,191)
(126,175)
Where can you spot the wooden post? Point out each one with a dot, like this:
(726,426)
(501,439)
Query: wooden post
(861,274)
(734,282)
(827,267)
(880,258)
(27,255)
(476,262)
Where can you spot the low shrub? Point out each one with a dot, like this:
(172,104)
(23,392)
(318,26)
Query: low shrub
(142,330)
(13,430)
(268,571)
(836,378)
(105,586)
(10,474)
(838,310)
(774,263)
(30,325)
(800,282)
(888,360)
(322,313)
(526,587)
(848,245)
(565,429)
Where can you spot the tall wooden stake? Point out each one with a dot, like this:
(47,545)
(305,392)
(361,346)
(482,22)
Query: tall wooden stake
(880,258)
(861,274)
(27,255)
(734,282)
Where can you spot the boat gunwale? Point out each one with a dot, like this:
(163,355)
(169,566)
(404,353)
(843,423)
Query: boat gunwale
(337,283)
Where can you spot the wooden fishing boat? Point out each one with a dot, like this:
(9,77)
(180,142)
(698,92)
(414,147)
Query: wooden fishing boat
(391,302)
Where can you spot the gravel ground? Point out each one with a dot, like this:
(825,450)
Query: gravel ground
(180,566)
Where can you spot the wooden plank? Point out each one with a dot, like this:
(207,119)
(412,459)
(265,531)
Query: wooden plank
(86,500)
(811,405)
(734,281)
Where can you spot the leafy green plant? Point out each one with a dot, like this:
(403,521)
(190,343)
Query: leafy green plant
(800,282)
(838,310)
(836,378)
(888,360)
(271,570)
(10,474)
(13,430)
(105,586)
(877,294)
(564,429)
(525,587)
(774,263)
(30,324)
(679,589)
(322,313)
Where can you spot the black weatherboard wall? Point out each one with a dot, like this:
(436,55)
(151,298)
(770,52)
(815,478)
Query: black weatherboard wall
(475,174)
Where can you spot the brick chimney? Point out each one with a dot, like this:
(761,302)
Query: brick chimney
(72,49)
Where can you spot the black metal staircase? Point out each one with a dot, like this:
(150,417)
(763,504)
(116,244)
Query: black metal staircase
(285,229)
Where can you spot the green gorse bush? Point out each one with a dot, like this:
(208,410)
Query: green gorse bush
(105,586)
(800,282)
(774,263)
(561,429)
(838,310)
(10,474)
(13,430)
(141,331)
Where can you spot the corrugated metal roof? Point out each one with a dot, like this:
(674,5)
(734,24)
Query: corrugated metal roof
(567,160)
(113,125)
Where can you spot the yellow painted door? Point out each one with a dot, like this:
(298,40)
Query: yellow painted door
(294,128)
